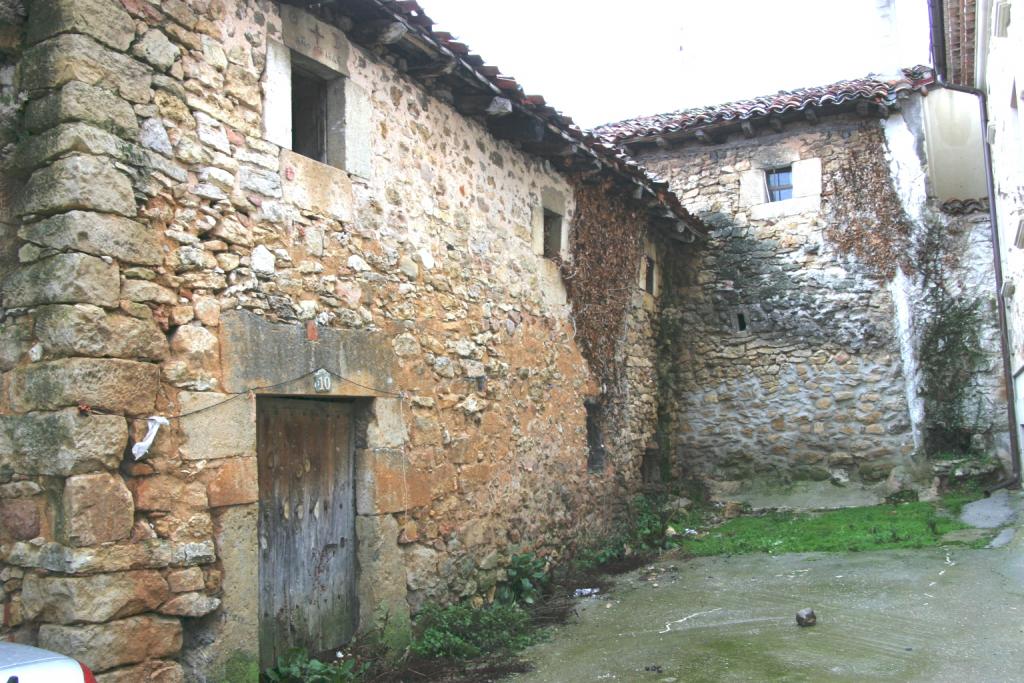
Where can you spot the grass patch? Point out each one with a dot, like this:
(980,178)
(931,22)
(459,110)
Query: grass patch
(881,527)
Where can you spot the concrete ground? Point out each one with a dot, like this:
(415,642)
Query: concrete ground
(948,614)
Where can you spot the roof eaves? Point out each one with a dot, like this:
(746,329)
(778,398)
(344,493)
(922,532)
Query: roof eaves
(500,101)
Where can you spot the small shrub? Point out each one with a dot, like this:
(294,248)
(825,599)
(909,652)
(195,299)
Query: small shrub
(465,632)
(298,667)
(526,579)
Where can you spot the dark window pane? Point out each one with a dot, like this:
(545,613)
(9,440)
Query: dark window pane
(309,115)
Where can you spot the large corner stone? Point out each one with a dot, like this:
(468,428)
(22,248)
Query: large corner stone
(67,138)
(79,182)
(98,234)
(97,508)
(105,20)
(87,330)
(78,101)
(94,599)
(15,340)
(105,646)
(63,279)
(119,386)
(63,443)
(72,57)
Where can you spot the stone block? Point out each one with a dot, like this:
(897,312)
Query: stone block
(67,138)
(382,579)
(323,43)
(105,20)
(62,443)
(19,519)
(71,57)
(235,483)
(98,234)
(153,47)
(86,330)
(79,101)
(147,672)
(165,492)
(97,508)
(386,482)
(190,605)
(195,358)
(105,646)
(387,427)
(112,557)
(15,339)
(104,383)
(229,429)
(316,187)
(234,633)
(142,291)
(63,279)
(79,182)
(94,599)
(262,353)
(184,580)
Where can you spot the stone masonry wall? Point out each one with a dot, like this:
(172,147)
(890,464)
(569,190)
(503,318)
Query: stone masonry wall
(813,387)
(169,255)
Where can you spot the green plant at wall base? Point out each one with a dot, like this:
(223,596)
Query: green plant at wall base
(465,632)
(526,577)
(298,667)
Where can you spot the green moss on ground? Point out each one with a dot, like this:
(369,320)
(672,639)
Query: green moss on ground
(880,527)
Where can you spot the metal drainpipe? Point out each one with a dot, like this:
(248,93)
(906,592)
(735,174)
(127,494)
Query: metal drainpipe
(1004,341)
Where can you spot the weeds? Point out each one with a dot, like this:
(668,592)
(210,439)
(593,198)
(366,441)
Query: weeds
(464,632)
(526,577)
(298,667)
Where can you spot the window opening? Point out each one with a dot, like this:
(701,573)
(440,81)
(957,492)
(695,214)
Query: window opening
(595,439)
(779,183)
(552,234)
(309,114)
(649,275)
(741,322)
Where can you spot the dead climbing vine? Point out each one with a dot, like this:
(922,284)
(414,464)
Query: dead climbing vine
(607,246)
(867,218)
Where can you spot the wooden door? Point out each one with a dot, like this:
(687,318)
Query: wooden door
(307,568)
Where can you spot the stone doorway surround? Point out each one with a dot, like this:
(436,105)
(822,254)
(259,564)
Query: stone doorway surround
(259,353)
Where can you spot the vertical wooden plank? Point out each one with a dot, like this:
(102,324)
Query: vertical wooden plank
(307,525)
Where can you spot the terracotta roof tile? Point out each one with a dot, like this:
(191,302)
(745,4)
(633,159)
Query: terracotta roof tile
(872,89)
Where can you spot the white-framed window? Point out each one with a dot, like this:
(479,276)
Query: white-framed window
(781,187)
(778,183)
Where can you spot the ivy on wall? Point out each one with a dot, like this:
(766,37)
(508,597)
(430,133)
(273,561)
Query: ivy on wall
(867,218)
(868,222)
(600,279)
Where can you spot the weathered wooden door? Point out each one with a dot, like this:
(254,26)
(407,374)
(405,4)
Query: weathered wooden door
(307,569)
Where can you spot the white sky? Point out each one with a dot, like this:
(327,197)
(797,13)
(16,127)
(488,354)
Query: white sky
(601,61)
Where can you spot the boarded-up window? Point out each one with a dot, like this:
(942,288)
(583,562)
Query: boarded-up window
(595,439)
(552,234)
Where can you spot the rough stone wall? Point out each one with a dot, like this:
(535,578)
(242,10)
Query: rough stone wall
(813,387)
(169,257)
(832,377)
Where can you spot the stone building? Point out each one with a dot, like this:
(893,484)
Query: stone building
(976,47)
(333,256)
(841,323)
